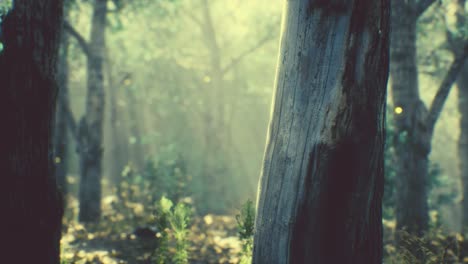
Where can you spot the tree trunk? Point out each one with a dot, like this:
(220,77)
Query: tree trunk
(463,140)
(30,202)
(412,146)
(455,33)
(134,125)
(322,180)
(61,124)
(215,149)
(119,146)
(91,125)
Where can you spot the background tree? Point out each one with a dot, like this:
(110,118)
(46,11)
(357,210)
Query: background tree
(31,205)
(90,128)
(322,181)
(414,123)
(456,27)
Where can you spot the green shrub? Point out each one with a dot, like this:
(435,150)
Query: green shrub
(173,221)
(245,225)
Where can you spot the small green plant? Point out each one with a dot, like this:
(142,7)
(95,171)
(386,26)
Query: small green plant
(245,226)
(163,214)
(180,219)
(175,221)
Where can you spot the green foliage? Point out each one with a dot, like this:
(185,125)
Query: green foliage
(245,226)
(167,175)
(5,6)
(390,169)
(180,219)
(162,221)
(175,221)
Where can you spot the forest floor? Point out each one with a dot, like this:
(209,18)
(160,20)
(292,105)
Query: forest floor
(125,235)
(118,239)
(212,239)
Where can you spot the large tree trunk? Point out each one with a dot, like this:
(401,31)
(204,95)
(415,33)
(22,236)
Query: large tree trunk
(322,181)
(91,125)
(31,205)
(61,118)
(412,146)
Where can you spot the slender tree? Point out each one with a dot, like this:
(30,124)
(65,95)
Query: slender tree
(88,132)
(91,125)
(414,122)
(322,180)
(30,203)
(456,38)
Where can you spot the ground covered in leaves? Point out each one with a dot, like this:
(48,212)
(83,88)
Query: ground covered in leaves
(129,237)
(136,230)
(212,239)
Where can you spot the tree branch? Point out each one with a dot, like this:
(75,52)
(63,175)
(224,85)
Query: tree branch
(80,39)
(423,5)
(444,89)
(247,52)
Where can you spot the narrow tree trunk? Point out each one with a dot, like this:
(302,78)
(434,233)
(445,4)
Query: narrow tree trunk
(412,146)
(61,127)
(463,140)
(29,199)
(214,118)
(91,125)
(119,148)
(455,38)
(134,124)
(322,179)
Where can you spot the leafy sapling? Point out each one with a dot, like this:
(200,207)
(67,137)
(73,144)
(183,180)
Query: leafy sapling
(175,221)
(245,226)
(180,219)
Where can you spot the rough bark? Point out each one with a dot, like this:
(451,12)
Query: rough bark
(322,179)
(91,125)
(412,150)
(30,202)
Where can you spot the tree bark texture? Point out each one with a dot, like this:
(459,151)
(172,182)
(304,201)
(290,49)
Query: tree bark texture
(29,200)
(91,125)
(322,180)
